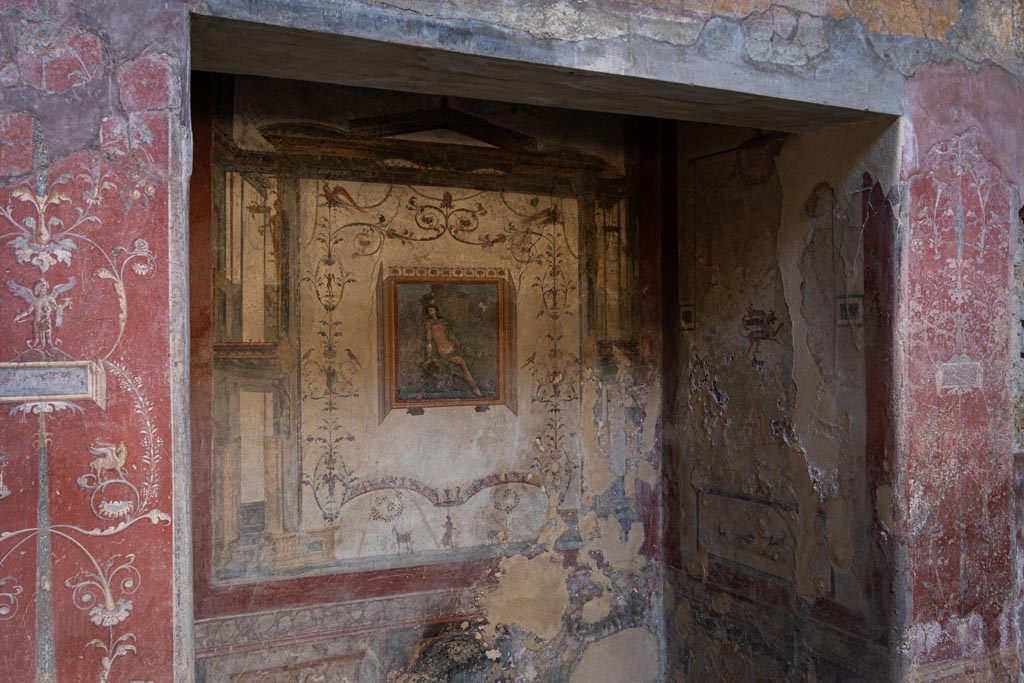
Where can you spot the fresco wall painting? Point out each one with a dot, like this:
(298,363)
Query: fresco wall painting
(445,341)
(67,385)
(413,396)
(433,359)
(344,515)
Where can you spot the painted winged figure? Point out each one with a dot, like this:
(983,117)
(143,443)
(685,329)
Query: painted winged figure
(44,310)
(108,457)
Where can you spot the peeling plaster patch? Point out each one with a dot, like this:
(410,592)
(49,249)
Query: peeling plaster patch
(621,553)
(615,504)
(840,544)
(807,584)
(598,608)
(555,526)
(629,487)
(651,419)
(616,426)
(815,413)
(647,471)
(630,655)
(597,466)
(532,594)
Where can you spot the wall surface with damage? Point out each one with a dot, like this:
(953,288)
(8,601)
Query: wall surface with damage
(94,141)
(962,174)
(531,497)
(777,555)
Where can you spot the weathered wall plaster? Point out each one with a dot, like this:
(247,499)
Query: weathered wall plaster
(628,655)
(532,594)
(772,425)
(566,560)
(955,485)
(97,90)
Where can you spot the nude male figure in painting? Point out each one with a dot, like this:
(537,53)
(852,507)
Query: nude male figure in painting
(438,339)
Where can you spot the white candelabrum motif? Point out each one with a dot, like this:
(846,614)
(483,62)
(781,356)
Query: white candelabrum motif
(44,237)
(49,226)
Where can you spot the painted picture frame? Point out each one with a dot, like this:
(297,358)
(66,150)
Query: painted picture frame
(447,338)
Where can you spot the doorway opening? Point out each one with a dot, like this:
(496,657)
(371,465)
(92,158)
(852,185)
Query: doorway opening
(482,388)
(407,310)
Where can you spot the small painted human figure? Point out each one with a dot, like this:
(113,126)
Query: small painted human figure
(331,479)
(44,310)
(448,540)
(439,339)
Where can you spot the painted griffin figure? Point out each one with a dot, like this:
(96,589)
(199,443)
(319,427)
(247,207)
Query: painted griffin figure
(108,457)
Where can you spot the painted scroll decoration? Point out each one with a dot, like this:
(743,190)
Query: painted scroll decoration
(354,236)
(52,224)
(965,230)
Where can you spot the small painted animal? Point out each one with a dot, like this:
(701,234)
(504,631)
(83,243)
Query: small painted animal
(339,196)
(108,457)
(759,325)
(403,538)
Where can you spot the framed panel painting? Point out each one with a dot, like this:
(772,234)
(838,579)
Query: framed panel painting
(447,338)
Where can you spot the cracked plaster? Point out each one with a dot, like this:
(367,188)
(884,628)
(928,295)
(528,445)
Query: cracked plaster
(987,29)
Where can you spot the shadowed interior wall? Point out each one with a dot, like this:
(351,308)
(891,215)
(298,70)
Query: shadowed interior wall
(776,549)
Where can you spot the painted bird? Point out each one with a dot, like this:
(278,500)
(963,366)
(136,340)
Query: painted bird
(339,196)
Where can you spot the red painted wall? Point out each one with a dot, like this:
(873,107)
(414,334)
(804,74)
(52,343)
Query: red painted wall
(963,152)
(90,118)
